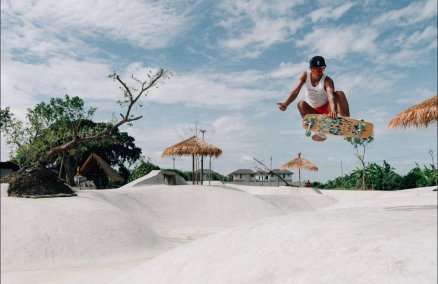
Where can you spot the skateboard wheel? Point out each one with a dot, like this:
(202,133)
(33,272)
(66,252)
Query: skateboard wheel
(361,126)
(307,133)
(312,119)
(356,140)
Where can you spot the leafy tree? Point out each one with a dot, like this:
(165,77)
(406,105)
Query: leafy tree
(51,124)
(360,147)
(45,128)
(131,96)
(55,130)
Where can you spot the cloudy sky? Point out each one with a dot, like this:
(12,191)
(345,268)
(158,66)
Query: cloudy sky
(232,61)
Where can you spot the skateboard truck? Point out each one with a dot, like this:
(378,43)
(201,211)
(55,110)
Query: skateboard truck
(361,128)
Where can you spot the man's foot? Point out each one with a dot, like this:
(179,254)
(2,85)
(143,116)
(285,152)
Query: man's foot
(318,137)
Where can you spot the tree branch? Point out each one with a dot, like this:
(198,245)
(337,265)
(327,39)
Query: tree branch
(105,134)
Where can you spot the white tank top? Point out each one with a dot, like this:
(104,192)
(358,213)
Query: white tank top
(315,96)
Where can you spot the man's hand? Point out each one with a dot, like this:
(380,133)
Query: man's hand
(333,114)
(282,106)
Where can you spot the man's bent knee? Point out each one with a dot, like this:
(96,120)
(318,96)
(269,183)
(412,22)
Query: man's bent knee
(340,95)
(301,105)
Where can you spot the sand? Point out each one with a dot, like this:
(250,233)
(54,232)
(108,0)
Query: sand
(221,234)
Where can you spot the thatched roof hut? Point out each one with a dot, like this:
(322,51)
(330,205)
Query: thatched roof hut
(192,146)
(95,167)
(420,115)
(299,163)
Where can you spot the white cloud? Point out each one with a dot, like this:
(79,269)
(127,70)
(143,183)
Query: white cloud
(289,70)
(46,27)
(428,35)
(330,13)
(413,13)
(24,84)
(230,124)
(339,41)
(365,82)
(208,90)
(253,26)
(418,95)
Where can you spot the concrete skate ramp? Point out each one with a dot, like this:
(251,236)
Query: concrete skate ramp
(388,241)
(217,234)
(108,225)
(158,177)
(290,199)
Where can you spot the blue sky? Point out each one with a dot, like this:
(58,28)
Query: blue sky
(231,62)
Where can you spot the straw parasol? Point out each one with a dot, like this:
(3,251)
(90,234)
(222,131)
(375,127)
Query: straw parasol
(419,115)
(192,146)
(299,163)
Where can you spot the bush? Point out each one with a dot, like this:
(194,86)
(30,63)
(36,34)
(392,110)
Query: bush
(143,169)
(418,177)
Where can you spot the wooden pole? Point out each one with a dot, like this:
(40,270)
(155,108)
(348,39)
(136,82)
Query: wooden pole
(193,169)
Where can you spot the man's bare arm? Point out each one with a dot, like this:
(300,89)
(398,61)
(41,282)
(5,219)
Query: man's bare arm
(293,95)
(330,89)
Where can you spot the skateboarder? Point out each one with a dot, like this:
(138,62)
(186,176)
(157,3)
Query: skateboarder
(321,97)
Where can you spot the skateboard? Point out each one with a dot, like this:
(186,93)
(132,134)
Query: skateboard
(340,126)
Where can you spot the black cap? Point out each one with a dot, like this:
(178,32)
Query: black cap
(317,62)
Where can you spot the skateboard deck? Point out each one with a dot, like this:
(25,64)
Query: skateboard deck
(340,126)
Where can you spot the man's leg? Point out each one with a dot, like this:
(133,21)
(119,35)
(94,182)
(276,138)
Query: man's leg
(342,103)
(304,108)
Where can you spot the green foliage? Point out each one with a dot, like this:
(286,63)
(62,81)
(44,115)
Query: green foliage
(58,122)
(184,175)
(48,125)
(418,177)
(383,177)
(317,184)
(117,152)
(5,117)
(12,129)
(218,177)
(141,170)
(361,141)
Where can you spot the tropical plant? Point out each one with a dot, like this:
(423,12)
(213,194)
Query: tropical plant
(418,177)
(382,177)
(360,146)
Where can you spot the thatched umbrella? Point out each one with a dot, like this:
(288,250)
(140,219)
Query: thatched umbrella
(419,115)
(192,146)
(299,163)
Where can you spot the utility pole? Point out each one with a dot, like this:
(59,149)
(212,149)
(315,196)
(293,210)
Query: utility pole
(342,174)
(173,158)
(271,174)
(202,158)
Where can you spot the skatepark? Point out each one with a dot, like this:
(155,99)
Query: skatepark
(220,234)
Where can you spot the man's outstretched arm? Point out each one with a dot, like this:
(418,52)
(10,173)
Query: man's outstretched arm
(293,95)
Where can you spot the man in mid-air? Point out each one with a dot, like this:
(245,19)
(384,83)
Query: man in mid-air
(321,97)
